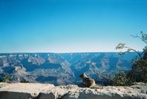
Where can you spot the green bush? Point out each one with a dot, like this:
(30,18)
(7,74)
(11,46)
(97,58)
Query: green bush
(121,80)
(24,81)
(1,79)
(7,78)
(138,72)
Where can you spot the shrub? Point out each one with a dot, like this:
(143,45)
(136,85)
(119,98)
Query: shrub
(138,72)
(24,81)
(121,79)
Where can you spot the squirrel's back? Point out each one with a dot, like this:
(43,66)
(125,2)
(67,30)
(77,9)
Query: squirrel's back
(87,81)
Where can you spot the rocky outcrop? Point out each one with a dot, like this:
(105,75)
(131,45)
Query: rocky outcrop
(15,95)
(45,96)
(49,91)
(106,93)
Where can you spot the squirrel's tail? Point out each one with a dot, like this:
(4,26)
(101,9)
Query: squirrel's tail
(96,87)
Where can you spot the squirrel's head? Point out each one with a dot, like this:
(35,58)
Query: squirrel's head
(83,75)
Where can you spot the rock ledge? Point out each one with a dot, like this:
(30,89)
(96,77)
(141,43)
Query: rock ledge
(49,91)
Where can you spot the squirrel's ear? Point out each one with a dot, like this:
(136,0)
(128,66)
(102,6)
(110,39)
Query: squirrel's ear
(80,75)
(84,74)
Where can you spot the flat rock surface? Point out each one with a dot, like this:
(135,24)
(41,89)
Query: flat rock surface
(25,87)
(44,91)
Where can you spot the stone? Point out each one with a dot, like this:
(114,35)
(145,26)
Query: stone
(14,95)
(46,96)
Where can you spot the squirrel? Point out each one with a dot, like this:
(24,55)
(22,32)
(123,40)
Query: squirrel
(89,82)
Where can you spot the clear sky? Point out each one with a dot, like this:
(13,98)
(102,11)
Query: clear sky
(70,25)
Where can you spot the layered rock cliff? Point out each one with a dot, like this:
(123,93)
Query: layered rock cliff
(60,68)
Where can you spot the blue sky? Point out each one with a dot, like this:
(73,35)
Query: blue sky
(70,25)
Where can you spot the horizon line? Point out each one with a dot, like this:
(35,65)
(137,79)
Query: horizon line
(64,52)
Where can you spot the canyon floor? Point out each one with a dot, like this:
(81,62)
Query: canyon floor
(49,91)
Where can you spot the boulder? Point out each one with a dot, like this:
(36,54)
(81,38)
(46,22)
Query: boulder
(46,96)
(15,95)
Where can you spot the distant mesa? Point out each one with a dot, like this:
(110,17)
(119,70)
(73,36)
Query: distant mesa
(61,68)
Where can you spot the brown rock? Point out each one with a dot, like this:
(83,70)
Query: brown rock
(14,95)
(46,96)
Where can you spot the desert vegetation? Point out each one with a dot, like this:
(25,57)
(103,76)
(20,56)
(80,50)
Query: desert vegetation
(138,72)
(5,78)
